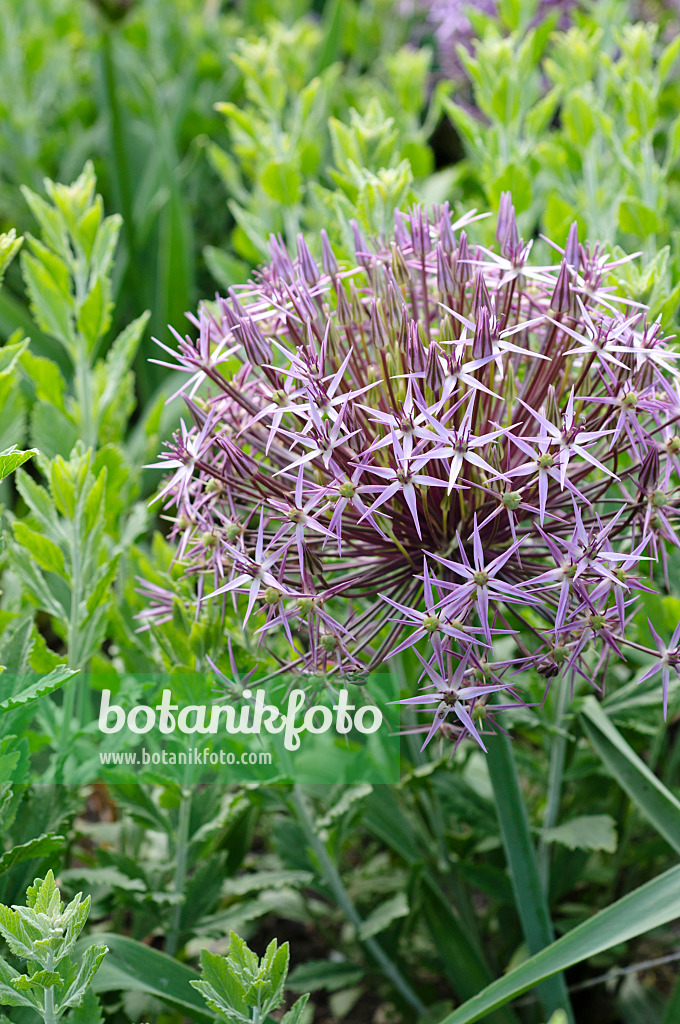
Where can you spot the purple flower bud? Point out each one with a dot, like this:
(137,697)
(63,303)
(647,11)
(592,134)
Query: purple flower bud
(328,260)
(420,231)
(310,271)
(482,346)
(462,270)
(434,374)
(572,250)
(447,239)
(562,300)
(481,298)
(648,473)
(445,281)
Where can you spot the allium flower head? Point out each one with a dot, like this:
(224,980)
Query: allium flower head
(428,449)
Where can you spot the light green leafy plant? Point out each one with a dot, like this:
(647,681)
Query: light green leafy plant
(580,125)
(312,131)
(44,934)
(243,989)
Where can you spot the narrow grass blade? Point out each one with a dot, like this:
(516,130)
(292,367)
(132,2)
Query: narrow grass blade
(647,792)
(530,898)
(651,906)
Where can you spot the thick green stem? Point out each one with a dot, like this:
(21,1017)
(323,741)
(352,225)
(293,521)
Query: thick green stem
(333,880)
(49,1014)
(181,854)
(530,899)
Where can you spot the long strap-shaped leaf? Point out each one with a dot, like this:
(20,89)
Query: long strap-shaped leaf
(652,905)
(647,792)
(530,899)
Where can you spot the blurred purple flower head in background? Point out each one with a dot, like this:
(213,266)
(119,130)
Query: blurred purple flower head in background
(451,25)
(439,448)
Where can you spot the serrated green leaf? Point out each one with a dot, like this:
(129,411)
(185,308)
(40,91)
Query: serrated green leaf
(40,504)
(94,315)
(296,1012)
(383,916)
(587,832)
(9,996)
(9,354)
(53,264)
(46,553)
(9,247)
(51,308)
(89,1011)
(15,933)
(42,846)
(12,458)
(36,584)
(46,378)
(120,358)
(40,980)
(51,222)
(105,246)
(44,896)
(37,689)
(90,963)
(16,642)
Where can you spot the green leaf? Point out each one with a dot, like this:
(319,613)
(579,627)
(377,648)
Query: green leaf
(51,308)
(652,905)
(294,1015)
(52,432)
(50,221)
(132,966)
(40,980)
(12,458)
(44,896)
(120,357)
(587,832)
(89,1011)
(282,181)
(41,846)
(9,354)
(636,218)
(530,899)
(45,552)
(94,315)
(89,965)
(324,974)
(46,378)
(104,246)
(40,688)
(15,933)
(40,504)
(383,916)
(9,996)
(648,793)
(9,247)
